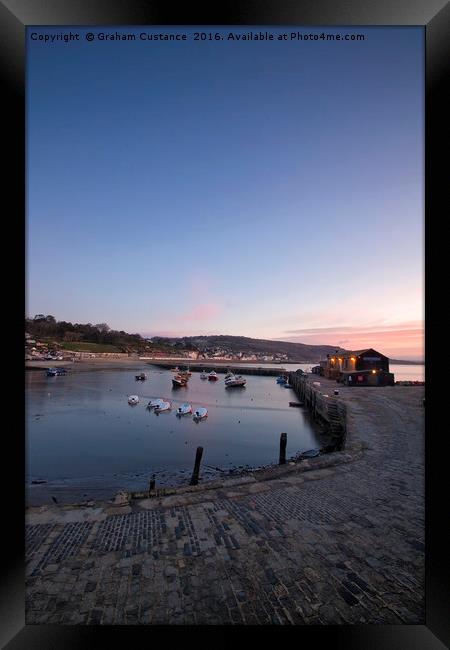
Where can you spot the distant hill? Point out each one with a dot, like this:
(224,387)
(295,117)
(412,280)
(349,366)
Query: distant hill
(298,352)
(403,362)
(75,336)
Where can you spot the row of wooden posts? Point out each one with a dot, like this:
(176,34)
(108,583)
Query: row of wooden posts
(198,460)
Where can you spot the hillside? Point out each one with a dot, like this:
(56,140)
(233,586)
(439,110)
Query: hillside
(298,352)
(101,338)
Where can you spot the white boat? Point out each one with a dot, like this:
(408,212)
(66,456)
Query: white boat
(200,413)
(184,409)
(133,399)
(154,402)
(163,406)
(213,376)
(235,380)
(203,375)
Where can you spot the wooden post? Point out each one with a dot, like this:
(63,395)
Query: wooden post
(283,443)
(151,485)
(195,473)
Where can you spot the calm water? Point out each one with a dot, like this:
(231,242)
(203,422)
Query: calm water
(82,433)
(414,372)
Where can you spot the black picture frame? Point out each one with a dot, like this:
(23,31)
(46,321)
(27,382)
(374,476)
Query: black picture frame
(15,16)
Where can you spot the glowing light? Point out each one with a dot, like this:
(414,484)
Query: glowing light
(373,372)
(353,358)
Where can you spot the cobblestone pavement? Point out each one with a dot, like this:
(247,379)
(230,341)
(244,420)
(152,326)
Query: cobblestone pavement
(336,544)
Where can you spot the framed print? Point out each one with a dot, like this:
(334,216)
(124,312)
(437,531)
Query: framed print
(228,225)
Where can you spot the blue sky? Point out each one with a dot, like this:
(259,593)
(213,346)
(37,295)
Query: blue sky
(265,189)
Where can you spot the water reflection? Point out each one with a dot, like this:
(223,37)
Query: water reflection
(80,427)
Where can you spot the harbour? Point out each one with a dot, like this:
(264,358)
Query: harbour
(85,440)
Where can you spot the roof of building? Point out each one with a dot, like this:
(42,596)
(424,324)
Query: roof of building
(357,353)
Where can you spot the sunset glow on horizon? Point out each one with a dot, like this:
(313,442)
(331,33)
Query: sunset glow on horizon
(259,189)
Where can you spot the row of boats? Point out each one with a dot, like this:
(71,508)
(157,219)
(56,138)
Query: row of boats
(160,405)
(231,380)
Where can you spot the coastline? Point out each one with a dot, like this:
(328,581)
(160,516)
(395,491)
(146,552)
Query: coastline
(135,362)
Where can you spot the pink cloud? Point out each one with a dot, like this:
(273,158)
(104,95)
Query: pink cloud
(202,312)
(405,338)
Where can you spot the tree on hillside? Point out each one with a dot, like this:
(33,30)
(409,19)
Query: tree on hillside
(103,327)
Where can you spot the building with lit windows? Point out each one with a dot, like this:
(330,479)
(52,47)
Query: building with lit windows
(359,367)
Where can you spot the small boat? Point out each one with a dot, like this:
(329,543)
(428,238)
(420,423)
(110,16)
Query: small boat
(200,413)
(203,375)
(213,376)
(235,381)
(185,374)
(133,399)
(178,381)
(281,380)
(162,406)
(154,402)
(184,409)
(141,377)
(55,372)
(311,453)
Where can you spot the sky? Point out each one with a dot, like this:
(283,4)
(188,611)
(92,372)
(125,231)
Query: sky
(271,189)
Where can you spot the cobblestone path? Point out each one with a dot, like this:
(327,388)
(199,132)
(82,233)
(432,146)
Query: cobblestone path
(340,544)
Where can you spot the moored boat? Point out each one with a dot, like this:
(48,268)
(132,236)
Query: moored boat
(154,402)
(311,453)
(141,377)
(162,406)
(281,380)
(178,381)
(184,409)
(55,372)
(213,376)
(133,399)
(203,375)
(200,413)
(235,380)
